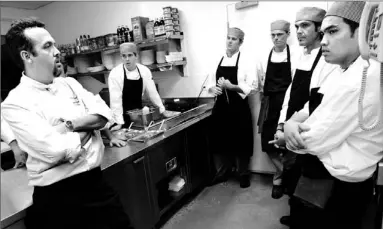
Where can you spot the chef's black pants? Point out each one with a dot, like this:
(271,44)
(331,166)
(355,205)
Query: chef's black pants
(225,162)
(346,208)
(81,201)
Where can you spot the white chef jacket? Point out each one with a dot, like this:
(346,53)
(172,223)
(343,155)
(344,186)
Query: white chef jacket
(32,110)
(6,133)
(280,57)
(116,85)
(249,75)
(348,152)
(304,62)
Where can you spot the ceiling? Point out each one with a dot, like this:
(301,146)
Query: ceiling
(24,4)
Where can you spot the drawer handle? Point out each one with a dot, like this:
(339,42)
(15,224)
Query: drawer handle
(171,164)
(139,159)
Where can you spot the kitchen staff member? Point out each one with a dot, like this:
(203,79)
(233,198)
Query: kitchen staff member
(277,80)
(232,134)
(127,83)
(56,122)
(336,150)
(308,22)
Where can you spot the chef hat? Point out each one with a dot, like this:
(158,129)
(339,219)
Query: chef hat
(311,14)
(236,32)
(128,47)
(280,25)
(351,10)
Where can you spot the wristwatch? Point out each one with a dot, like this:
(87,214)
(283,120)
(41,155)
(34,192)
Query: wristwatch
(280,127)
(69,125)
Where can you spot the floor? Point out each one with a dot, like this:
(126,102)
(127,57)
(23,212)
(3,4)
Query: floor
(227,206)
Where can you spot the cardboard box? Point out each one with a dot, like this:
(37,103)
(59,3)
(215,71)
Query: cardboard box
(139,29)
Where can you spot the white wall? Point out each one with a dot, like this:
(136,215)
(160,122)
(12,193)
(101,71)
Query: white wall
(8,14)
(203,24)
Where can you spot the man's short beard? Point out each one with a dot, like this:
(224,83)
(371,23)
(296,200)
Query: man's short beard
(57,72)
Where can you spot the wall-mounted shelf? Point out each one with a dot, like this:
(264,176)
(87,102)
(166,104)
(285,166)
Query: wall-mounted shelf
(140,44)
(89,73)
(152,67)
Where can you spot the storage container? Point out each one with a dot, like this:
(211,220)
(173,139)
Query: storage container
(167,9)
(169,27)
(139,30)
(175,16)
(109,38)
(168,21)
(101,42)
(177,28)
(149,30)
(167,15)
(147,57)
(174,10)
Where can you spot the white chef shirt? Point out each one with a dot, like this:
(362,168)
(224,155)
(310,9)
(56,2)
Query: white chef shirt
(249,75)
(280,57)
(305,62)
(6,133)
(348,152)
(32,110)
(116,85)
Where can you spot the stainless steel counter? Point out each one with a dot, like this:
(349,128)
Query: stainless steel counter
(16,195)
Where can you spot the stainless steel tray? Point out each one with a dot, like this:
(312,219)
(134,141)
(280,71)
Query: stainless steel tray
(147,135)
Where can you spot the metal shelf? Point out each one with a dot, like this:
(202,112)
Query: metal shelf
(152,67)
(140,44)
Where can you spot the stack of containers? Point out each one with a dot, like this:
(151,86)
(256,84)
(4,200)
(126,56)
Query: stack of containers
(172,21)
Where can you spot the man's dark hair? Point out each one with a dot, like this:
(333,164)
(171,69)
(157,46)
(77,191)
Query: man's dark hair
(352,24)
(317,28)
(17,41)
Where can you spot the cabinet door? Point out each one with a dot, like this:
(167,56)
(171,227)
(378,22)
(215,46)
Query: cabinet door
(132,183)
(198,154)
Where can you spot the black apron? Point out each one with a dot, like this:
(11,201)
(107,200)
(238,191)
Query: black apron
(299,95)
(131,95)
(316,183)
(300,88)
(278,79)
(232,131)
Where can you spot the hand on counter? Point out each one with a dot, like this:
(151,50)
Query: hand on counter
(169,114)
(115,141)
(116,127)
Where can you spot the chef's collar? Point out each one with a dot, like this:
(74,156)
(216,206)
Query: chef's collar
(316,50)
(126,69)
(36,84)
(235,55)
(284,50)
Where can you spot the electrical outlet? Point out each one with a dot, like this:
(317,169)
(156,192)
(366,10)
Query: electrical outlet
(245,4)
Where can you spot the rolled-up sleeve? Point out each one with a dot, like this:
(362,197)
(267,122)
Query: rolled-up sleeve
(115,94)
(92,102)
(36,136)
(285,106)
(151,91)
(248,77)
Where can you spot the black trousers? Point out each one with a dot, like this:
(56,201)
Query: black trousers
(82,201)
(346,208)
(225,162)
